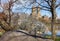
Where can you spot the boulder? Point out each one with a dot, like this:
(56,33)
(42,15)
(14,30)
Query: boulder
(20,36)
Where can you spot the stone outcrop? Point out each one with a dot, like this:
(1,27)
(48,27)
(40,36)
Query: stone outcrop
(20,36)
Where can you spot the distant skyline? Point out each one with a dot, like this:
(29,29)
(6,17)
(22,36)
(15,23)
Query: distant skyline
(42,11)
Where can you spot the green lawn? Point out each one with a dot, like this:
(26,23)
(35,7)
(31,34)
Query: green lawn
(57,38)
(1,33)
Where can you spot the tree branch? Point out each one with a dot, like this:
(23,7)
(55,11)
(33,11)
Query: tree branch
(45,9)
(47,1)
(44,6)
(57,5)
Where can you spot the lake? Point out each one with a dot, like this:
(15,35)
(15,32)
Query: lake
(57,33)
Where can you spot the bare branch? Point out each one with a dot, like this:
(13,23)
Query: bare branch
(44,6)
(45,9)
(47,1)
(57,5)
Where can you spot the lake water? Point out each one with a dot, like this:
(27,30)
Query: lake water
(57,33)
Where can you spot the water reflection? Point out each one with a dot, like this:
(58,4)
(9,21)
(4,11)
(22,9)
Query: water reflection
(49,33)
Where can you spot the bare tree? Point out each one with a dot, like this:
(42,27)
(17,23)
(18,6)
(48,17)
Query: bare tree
(47,5)
(7,6)
(51,6)
(9,9)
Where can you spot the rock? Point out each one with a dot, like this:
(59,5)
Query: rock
(20,36)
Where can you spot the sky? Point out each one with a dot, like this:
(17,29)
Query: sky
(29,11)
(4,1)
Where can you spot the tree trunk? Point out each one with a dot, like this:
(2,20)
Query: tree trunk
(52,28)
(53,20)
(9,14)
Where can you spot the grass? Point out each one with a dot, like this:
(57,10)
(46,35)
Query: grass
(57,38)
(1,33)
